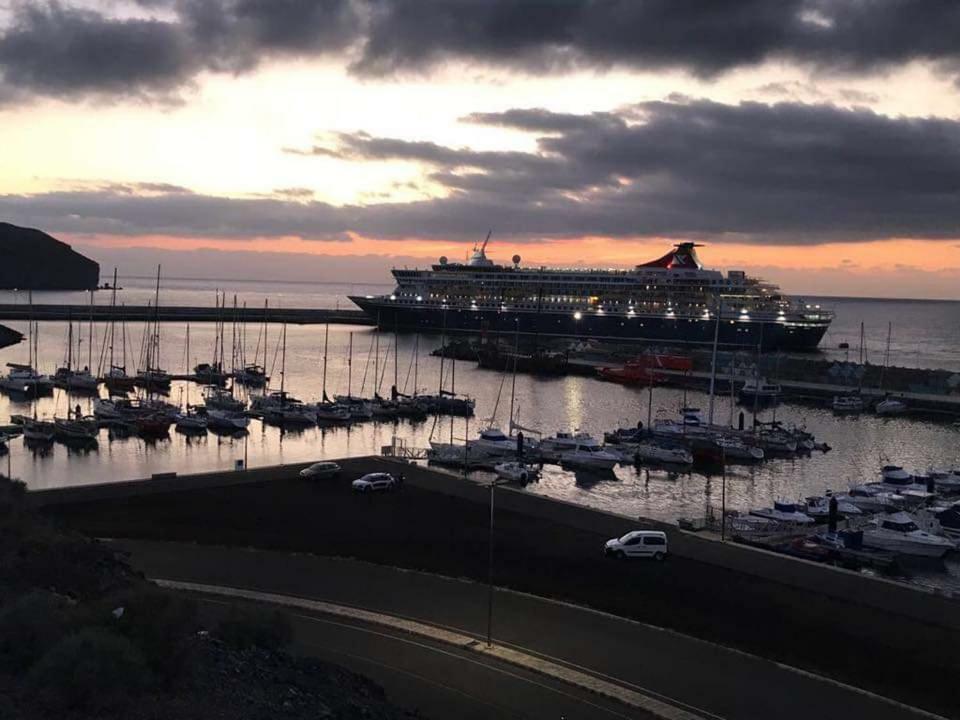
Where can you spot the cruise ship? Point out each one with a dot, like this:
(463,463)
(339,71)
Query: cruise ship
(672,300)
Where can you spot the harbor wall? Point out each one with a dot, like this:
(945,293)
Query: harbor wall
(921,604)
(850,627)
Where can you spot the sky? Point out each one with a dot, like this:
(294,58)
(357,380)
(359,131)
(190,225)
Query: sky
(813,143)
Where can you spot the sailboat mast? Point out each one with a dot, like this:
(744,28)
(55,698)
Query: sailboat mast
(188,366)
(350,368)
(113,315)
(156,319)
(283,363)
(326,345)
(90,336)
(513,381)
(713,358)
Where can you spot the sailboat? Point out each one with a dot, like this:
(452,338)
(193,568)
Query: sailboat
(358,408)
(81,381)
(189,420)
(288,411)
(253,374)
(447,402)
(326,410)
(152,377)
(24,379)
(116,379)
(889,405)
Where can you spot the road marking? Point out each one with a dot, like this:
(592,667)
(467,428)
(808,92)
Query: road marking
(577,678)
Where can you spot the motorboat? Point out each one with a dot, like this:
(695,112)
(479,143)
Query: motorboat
(493,442)
(899,533)
(871,499)
(227,420)
(216,398)
(890,406)
(818,507)
(947,520)
(25,379)
(663,453)
(759,390)
(945,481)
(784,512)
(895,474)
(624,435)
(847,404)
(735,449)
(777,442)
(552,447)
(515,472)
(589,456)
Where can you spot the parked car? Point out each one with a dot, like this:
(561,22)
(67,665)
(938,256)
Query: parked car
(321,470)
(638,543)
(372,482)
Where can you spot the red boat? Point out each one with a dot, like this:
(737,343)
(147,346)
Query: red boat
(644,369)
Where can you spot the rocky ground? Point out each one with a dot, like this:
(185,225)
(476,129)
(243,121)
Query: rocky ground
(83,636)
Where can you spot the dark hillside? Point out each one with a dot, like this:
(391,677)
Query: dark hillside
(32,260)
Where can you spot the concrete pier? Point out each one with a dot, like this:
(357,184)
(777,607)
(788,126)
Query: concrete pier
(176,313)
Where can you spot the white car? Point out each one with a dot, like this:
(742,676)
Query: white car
(321,470)
(372,482)
(638,543)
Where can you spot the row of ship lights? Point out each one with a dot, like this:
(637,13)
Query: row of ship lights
(577,315)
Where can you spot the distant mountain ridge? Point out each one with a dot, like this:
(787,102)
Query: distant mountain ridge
(31,259)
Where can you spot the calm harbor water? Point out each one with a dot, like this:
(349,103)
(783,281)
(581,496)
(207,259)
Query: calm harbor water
(860,444)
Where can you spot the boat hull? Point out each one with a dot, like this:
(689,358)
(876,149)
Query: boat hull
(679,331)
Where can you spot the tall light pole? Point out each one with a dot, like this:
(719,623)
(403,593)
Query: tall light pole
(493,485)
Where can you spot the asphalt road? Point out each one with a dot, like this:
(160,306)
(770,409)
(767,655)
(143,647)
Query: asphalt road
(676,668)
(442,681)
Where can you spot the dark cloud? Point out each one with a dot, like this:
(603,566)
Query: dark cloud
(54,49)
(785,173)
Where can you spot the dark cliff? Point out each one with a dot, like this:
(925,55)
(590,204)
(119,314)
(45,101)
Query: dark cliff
(32,260)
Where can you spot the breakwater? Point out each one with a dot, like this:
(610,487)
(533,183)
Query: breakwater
(178,313)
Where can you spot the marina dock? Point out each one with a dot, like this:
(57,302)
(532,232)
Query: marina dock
(178,313)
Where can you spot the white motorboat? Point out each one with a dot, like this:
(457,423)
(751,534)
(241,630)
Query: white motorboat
(554,446)
(658,452)
(760,390)
(735,449)
(890,406)
(847,404)
(515,472)
(493,442)
(870,499)
(818,507)
(895,474)
(946,481)
(784,512)
(589,456)
(899,533)
(227,420)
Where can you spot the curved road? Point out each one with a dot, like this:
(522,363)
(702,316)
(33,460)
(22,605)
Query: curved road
(712,681)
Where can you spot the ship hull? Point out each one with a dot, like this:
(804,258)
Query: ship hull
(695,332)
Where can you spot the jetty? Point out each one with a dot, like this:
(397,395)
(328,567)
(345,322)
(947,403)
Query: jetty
(184,313)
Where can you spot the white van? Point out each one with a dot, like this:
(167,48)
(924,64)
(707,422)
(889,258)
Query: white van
(638,543)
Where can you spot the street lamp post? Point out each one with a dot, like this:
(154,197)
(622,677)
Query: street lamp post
(723,495)
(493,485)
